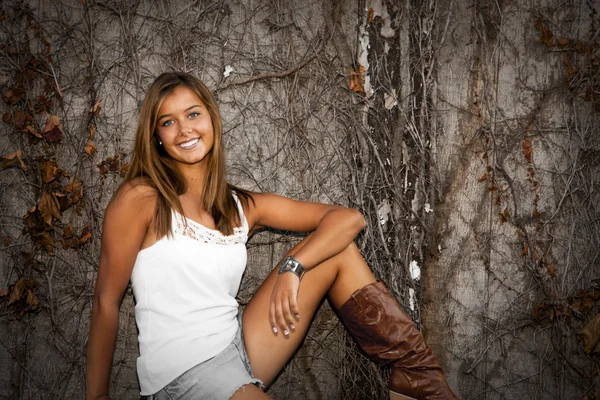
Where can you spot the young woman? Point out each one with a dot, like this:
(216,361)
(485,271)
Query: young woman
(177,230)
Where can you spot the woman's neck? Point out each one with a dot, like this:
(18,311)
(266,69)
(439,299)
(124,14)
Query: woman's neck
(194,176)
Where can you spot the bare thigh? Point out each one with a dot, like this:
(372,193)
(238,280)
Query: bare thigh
(269,352)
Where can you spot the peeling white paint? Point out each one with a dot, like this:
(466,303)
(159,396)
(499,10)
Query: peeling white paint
(228,70)
(415,270)
(411,298)
(389,100)
(383,212)
(363,53)
(380,10)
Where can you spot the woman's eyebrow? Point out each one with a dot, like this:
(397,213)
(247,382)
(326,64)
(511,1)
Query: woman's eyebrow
(187,109)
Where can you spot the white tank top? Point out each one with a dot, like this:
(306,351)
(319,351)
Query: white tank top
(185,288)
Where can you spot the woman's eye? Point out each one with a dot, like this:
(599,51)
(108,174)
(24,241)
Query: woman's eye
(168,122)
(193,114)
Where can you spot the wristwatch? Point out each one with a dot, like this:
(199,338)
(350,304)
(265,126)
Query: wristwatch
(290,264)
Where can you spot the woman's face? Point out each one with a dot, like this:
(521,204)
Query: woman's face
(184,126)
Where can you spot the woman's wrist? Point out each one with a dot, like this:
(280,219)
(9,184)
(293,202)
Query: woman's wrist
(290,264)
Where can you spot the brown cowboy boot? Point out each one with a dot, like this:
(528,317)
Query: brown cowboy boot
(389,337)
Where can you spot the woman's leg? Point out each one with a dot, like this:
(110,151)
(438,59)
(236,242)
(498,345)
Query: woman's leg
(369,311)
(339,277)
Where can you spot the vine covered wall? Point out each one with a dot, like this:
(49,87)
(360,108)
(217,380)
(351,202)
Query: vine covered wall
(466,133)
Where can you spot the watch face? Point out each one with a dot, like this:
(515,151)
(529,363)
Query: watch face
(292,265)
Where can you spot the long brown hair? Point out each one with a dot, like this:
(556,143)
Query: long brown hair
(158,170)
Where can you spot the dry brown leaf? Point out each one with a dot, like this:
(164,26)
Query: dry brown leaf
(527,150)
(504,216)
(32,221)
(525,251)
(44,104)
(70,243)
(562,43)
(571,71)
(17,291)
(29,129)
(32,300)
(53,131)
(95,110)
(85,235)
(371,14)
(49,208)
(547,37)
(30,261)
(63,200)
(14,160)
(89,149)
(75,189)
(124,169)
(14,95)
(21,296)
(50,171)
(21,119)
(46,241)
(114,165)
(357,79)
(68,231)
(92,132)
(591,335)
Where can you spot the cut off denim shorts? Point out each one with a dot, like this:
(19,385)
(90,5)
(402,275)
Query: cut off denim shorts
(217,378)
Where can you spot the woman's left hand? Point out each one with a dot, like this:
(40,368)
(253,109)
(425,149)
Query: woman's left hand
(283,309)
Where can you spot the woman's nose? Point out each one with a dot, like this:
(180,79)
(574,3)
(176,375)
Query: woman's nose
(185,130)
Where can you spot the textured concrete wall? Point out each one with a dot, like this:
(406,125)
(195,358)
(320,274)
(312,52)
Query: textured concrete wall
(514,247)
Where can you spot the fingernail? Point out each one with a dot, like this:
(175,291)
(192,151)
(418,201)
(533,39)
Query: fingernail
(285,332)
(274,329)
(297,316)
(292,327)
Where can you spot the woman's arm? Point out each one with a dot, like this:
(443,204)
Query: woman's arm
(126,222)
(333,229)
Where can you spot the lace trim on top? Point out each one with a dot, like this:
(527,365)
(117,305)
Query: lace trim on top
(192,229)
(195,230)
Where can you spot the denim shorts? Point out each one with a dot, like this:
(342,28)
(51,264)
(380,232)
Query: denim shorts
(217,378)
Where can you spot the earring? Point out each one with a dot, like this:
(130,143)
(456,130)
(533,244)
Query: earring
(160,143)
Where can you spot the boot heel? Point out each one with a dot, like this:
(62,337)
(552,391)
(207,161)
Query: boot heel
(398,396)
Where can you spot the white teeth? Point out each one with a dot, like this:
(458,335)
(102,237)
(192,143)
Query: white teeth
(189,144)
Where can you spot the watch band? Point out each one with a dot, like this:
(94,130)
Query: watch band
(290,264)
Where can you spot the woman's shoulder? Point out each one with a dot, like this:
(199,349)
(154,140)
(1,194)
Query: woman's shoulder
(136,195)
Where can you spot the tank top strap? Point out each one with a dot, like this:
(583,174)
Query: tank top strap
(240,208)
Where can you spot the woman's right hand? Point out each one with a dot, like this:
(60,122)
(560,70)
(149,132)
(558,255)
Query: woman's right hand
(283,308)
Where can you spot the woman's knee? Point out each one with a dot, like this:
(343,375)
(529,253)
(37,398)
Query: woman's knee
(351,253)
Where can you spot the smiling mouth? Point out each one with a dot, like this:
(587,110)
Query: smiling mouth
(189,144)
